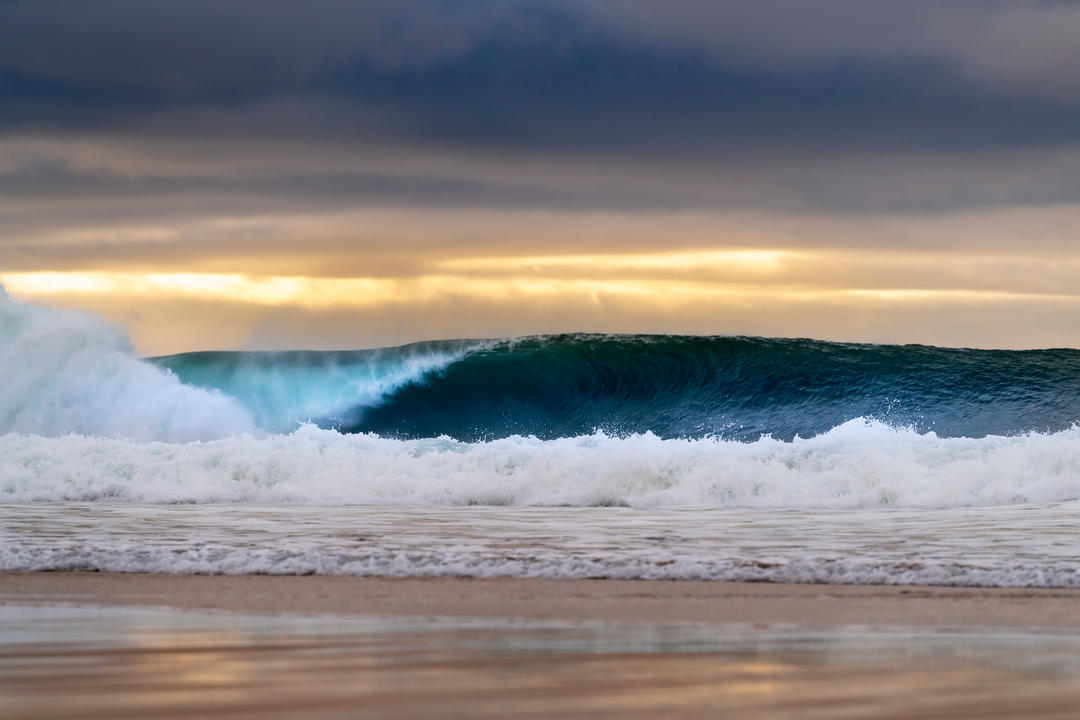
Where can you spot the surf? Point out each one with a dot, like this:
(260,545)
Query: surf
(737,388)
(72,373)
(569,420)
(860,464)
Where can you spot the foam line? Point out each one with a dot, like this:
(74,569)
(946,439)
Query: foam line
(860,464)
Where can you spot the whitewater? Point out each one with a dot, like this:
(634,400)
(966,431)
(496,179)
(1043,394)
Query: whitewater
(566,456)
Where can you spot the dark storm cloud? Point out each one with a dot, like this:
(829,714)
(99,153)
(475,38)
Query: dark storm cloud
(629,85)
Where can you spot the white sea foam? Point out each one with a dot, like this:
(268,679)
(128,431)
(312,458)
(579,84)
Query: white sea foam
(861,464)
(66,372)
(1015,546)
(83,420)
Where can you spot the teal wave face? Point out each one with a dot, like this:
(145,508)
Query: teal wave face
(285,389)
(672,386)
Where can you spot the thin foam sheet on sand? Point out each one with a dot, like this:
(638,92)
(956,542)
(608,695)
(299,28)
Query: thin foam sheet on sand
(76,645)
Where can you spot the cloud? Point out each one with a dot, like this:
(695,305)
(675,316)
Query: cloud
(202,47)
(145,56)
(380,138)
(1023,48)
(60,183)
(164,323)
(624,84)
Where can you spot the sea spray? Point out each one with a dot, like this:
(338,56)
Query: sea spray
(67,372)
(286,389)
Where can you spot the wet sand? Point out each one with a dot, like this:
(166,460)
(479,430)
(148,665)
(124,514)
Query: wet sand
(86,645)
(625,600)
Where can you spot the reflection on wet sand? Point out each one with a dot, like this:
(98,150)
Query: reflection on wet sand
(79,662)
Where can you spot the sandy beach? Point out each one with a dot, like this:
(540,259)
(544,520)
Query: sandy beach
(133,645)
(398,359)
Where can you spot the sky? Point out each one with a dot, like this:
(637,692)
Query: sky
(323,174)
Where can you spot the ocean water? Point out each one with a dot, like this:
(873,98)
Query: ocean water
(1005,546)
(565,456)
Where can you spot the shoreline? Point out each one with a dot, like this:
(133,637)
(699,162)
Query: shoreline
(650,601)
(329,647)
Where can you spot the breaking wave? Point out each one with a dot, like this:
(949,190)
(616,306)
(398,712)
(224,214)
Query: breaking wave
(859,464)
(67,372)
(580,420)
(674,387)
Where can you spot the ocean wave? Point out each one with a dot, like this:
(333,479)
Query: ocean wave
(67,372)
(860,464)
(674,387)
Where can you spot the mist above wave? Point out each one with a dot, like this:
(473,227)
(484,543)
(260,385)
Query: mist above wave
(68,372)
(286,389)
